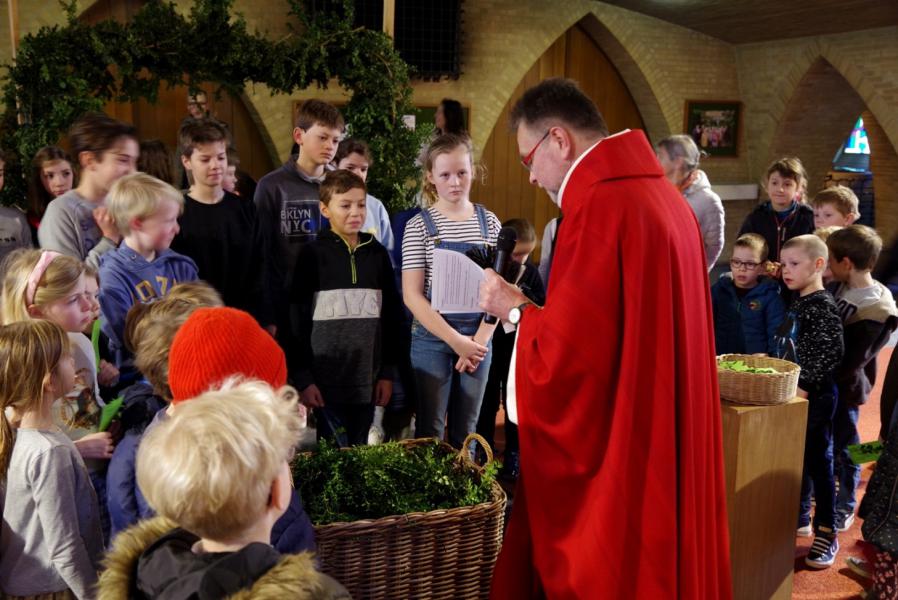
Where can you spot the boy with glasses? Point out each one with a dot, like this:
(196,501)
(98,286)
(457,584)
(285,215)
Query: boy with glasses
(747,307)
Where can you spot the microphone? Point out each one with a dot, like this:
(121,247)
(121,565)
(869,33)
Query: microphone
(505,244)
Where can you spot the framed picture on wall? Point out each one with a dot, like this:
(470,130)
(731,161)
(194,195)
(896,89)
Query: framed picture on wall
(714,125)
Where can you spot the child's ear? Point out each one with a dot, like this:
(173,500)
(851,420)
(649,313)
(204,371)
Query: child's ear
(87,159)
(297,135)
(278,499)
(324,210)
(135,224)
(185,161)
(34,311)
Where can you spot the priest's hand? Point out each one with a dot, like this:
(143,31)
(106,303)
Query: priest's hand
(497,296)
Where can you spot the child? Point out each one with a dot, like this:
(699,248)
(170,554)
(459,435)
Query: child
(869,317)
(218,474)
(287,203)
(50,541)
(747,306)
(78,223)
(823,233)
(149,331)
(441,343)
(156,160)
(14,230)
(835,206)
(213,345)
(145,210)
(785,215)
(47,285)
(51,177)
(216,226)
(811,335)
(349,309)
(503,345)
(354,155)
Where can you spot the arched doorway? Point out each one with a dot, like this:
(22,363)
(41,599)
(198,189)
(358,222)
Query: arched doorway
(505,189)
(162,119)
(818,118)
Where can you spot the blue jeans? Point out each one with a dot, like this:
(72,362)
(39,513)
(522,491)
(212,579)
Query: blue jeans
(846,473)
(817,475)
(437,381)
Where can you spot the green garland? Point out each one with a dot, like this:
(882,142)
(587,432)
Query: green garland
(63,71)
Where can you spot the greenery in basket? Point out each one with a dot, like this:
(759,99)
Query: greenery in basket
(370,482)
(740,367)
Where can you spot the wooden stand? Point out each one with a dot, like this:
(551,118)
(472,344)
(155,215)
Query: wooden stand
(763,450)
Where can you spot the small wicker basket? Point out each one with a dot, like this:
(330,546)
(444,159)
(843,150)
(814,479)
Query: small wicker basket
(758,388)
(438,554)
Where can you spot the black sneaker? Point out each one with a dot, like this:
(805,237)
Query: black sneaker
(823,550)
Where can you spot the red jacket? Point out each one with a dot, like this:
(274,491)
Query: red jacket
(622,486)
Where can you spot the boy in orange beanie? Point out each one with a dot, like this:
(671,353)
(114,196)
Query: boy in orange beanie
(213,345)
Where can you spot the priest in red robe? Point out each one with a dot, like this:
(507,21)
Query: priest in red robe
(621,493)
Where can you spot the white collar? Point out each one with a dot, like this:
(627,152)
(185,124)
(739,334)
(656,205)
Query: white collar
(567,175)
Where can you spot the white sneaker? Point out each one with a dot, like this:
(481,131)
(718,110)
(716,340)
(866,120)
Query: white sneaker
(847,523)
(376,435)
(804,531)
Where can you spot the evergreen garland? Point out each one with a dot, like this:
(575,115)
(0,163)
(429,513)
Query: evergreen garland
(62,71)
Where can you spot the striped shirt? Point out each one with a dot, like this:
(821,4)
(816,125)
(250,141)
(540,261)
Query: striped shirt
(417,246)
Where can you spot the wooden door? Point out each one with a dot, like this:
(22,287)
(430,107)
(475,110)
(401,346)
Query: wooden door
(505,188)
(162,119)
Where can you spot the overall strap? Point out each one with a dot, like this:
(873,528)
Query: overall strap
(481,218)
(429,224)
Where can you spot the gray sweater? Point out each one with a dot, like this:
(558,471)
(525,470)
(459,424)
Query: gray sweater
(69,227)
(708,210)
(14,230)
(51,538)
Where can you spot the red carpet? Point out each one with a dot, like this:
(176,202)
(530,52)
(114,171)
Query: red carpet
(838,582)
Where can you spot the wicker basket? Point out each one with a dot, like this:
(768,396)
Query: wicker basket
(758,388)
(438,554)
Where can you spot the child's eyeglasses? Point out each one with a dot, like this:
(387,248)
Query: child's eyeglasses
(738,264)
(527,161)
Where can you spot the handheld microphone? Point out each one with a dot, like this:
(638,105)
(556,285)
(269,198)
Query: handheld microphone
(505,244)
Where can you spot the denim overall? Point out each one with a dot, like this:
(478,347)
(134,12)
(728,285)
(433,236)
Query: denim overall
(439,385)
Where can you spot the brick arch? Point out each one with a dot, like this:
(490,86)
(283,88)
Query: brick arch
(817,117)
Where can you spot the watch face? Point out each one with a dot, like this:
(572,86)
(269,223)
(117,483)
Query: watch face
(514,315)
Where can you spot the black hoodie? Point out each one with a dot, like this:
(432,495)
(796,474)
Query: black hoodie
(764,221)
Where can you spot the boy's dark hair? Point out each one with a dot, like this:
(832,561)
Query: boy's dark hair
(156,160)
(312,112)
(339,182)
(554,100)
(454,116)
(352,146)
(96,132)
(201,131)
(753,242)
(233,157)
(524,229)
(861,244)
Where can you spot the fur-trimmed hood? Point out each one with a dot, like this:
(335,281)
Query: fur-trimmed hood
(292,577)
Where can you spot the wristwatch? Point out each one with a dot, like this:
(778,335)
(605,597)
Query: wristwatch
(515,314)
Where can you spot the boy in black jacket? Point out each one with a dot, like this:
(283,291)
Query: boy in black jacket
(349,315)
(811,336)
(869,317)
(785,215)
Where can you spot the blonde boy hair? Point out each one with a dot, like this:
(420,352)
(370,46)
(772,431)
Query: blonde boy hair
(30,351)
(209,468)
(824,232)
(841,197)
(61,275)
(810,244)
(859,243)
(753,242)
(138,196)
(151,328)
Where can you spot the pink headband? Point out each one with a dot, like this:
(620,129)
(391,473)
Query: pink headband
(37,272)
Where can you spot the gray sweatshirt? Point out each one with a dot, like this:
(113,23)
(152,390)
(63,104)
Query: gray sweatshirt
(51,538)
(14,230)
(69,227)
(708,210)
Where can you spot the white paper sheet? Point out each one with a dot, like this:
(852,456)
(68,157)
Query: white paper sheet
(455,283)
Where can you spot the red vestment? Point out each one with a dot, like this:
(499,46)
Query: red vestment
(622,486)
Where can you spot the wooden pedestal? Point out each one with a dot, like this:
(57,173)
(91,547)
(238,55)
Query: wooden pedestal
(763,450)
